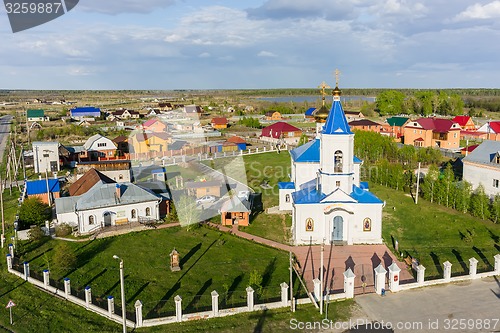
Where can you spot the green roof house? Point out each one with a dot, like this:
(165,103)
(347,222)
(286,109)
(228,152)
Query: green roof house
(394,127)
(36,115)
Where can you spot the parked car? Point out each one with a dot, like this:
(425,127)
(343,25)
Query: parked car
(206,199)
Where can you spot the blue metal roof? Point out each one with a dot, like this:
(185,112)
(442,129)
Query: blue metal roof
(364,196)
(286,185)
(336,123)
(308,152)
(309,112)
(307,196)
(34,187)
(356,160)
(87,110)
(364,185)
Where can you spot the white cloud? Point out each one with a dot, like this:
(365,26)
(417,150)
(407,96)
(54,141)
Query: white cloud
(266,54)
(123,6)
(204,55)
(479,11)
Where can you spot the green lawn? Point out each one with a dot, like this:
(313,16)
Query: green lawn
(210,260)
(434,234)
(273,227)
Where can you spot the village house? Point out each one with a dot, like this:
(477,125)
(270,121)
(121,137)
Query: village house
(146,144)
(219,123)
(106,205)
(354,115)
(122,148)
(87,181)
(98,148)
(200,189)
(273,115)
(281,132)
(154,125)
(118,170)
(482,167)
(432,132)
(36,115)
(193,110)
(309,114)
(365,125)
(126,114)
(465,122)
(46,156)
(394,127)
(45,189)
(491,129)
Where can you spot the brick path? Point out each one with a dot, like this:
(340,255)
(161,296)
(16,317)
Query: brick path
(362,259)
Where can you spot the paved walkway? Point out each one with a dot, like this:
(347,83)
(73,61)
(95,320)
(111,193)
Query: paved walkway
(362,259)
(471,306)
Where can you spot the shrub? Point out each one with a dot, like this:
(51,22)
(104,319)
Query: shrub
(64,258)
(36,233)
(63,229)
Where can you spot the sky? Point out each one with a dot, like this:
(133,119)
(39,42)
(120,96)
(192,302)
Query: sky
(243,44)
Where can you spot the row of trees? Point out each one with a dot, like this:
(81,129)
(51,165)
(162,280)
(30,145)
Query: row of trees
(250,122)
(425,103)
(372,147)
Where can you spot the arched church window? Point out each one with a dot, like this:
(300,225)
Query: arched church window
(91,219)
(338,161)
(287,198)
(133,214)
(148,211)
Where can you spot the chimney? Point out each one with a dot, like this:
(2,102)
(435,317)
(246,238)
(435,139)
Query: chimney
(118,191)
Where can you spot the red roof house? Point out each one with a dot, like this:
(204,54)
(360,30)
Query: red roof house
(465,122)
(281,131)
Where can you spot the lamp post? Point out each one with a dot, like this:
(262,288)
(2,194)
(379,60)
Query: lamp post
(122,285)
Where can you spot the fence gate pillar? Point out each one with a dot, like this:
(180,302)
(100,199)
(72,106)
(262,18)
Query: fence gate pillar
(380,272)
(473,267)
(447,271)
(394,271)
(9,261)
(67,286)
(250,302)
(178,308)
(349,283)
(46,278)
(11,250)
(284,294)
(215,303)
(138,313)
(88,296)
(26,270)
(497,263)
(420,274)
(111,305)
(317,289)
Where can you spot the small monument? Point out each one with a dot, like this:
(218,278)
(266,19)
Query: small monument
(174,261)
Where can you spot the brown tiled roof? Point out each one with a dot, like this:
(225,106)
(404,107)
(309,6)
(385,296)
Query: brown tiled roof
(121,138)
(87,181)
(236,139)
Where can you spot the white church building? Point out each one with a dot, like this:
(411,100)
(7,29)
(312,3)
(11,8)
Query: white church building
(327,200)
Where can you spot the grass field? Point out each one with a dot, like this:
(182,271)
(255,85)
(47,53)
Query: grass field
(434,234)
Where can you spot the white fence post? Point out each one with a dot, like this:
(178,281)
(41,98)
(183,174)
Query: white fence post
(394,277)
(46,278)
(138,313)
(497,263)
(215,303)
(88,296)
(26,270)
(420,275)
(349,283)
(447,271)
(178,308)
(67,287)
(250,302)
(111,305)
(317,289)
(380,272)
(284,293)
(11,250)
(473,267)
(9,261)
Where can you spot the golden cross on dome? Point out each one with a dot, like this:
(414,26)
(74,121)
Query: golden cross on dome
(337,76)
(323,86)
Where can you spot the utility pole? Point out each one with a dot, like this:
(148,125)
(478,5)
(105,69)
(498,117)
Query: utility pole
(321,294)
(418,183)
(292,307)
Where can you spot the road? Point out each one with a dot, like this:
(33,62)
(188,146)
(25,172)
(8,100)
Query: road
(5,122)
(471,306)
